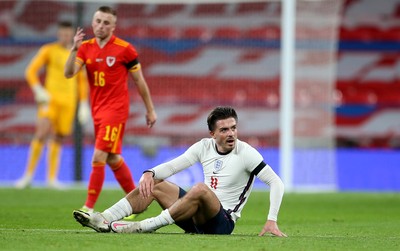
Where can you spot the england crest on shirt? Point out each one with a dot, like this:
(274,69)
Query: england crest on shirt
(217,166)
(110,61)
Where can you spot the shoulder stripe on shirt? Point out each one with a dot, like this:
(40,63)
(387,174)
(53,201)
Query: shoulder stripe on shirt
(121,42)
(242,197)
(89,41)
(258,168)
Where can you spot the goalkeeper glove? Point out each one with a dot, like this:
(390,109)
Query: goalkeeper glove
(83,112)
(41,95)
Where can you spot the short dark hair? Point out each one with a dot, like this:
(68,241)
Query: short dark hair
(107,9)
(219,113)
(65,24)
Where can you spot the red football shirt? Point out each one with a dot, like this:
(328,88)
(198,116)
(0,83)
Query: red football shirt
(107,69)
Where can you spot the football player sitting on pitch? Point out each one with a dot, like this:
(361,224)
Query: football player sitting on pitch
(212,207)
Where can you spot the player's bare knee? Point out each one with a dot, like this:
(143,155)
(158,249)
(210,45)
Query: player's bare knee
(199,190)
(42,135)
(113,159)
(159,188)
(41,138)
(59,138)
(99,156)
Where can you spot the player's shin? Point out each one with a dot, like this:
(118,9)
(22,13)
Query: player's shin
(118,211)
(154,223)
(53,158)
(123,175)
(96,181)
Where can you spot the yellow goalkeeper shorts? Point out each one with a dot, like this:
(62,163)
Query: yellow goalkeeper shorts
(61,116)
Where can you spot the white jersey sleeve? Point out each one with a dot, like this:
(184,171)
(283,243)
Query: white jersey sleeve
(178,164)
(253,159)
(269,177)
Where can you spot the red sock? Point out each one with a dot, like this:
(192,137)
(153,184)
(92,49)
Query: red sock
(95,183)
(123,175)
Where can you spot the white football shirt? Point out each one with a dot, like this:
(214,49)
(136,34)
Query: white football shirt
(230,176)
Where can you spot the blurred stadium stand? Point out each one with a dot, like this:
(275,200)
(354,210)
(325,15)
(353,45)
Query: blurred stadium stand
(175,43)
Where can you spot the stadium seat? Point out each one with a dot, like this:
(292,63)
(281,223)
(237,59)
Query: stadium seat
(163,10)
(165,32)
(355,96)
(196,32)
(4,32)
(227,33)
(264,32)
(391,34)
(48,16)
(346,34)
(130,11)
(139,32)
(210,9)
(246,8)
(367,33)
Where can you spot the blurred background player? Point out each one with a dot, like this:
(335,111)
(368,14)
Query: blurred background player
(57,100)
(108,61)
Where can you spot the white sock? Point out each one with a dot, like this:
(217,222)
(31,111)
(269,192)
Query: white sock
(118,211)
(155,223)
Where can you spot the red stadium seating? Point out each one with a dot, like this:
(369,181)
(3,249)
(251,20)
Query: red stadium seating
(163,10)
(264,32)
(197,32)
(210,9)
(48,15)
(246,8)
(375,84)
(391,34)
(227,33)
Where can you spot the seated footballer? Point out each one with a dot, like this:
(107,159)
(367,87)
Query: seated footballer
(213,207)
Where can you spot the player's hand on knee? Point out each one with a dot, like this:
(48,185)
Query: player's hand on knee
(146,185)
(272,228)
(41,94)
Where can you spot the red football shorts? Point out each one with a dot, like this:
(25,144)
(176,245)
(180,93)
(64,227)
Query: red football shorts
(109,137)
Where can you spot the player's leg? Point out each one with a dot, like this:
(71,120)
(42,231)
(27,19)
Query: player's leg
(53,160)
(62,126)
(166,194)
(117,164)
(42,131)
(199,205)
(96,179)
(106,142)
(121,172)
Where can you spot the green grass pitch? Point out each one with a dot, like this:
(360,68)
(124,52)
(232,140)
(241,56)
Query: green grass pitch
(41,219)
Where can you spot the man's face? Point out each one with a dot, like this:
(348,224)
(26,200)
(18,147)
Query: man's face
(103,24)
(225,134)
(65,35)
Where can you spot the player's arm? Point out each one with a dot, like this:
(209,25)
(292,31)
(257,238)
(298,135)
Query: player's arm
(268,176)
(167,169)
(162,171)
(144,92)
(32,75)
(73,65)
